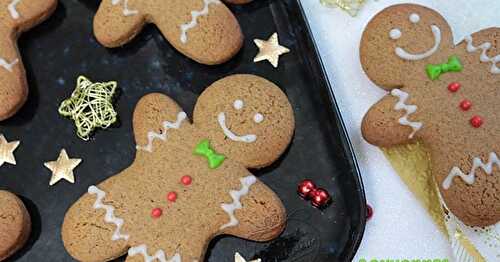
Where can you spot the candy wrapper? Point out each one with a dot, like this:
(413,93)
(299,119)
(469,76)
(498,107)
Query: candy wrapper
(412,164)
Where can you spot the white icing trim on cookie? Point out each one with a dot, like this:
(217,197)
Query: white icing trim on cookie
(485,47)
(221,118)
(258,118)
(8,66)
(109,216)
(126,11)
(412,57)
(181,116)
(246,183)
(238,104)
(410,109)
(414,18)
(471,177)
(12,9)
(395,33)
(159,255)
(194,19)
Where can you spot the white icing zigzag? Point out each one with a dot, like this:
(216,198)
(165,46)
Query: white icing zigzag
(194,19)
(109,216)
(159,255)
(246,183)
(12,9)
(410,109)
(484,57)
(126,11)
(8,66)
(471,177)
(166,126)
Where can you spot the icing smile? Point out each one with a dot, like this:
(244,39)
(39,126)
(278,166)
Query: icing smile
(221,118)
(395,34)
(437,41)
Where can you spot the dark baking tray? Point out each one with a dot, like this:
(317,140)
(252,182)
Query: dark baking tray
(63,47)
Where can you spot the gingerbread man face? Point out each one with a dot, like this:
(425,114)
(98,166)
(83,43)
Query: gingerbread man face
(187,185)
(247,118)
(17,16)
(203,30)
(442,95)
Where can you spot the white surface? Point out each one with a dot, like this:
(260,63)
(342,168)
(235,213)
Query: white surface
(400,228)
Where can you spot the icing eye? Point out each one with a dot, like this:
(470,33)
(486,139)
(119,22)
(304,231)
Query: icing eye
(395,34)
(257,118)
(238,104)
(414,18)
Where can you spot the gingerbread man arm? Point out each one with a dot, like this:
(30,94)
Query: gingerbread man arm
(13,89)
(116,25)
(92,228)
(157,116)
(20,16)
(203,30)
(270,222)
(392,121)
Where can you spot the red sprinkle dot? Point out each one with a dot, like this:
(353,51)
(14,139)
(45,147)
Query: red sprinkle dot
(186,180)
(369,212)
(465,105)
(172,196)
(156,212)
(453,87)
(476,121)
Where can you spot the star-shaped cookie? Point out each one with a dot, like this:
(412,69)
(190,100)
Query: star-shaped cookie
(62,168)
(270,50)
(239,258)
(7,151)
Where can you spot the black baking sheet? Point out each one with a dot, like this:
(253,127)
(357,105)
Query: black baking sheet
(59,50)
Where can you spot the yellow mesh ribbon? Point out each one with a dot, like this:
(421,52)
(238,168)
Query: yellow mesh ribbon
(412,163)
(90,106)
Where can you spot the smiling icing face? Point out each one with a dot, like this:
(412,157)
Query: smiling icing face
(401,52)
(394,38)
(250,138)
(245,120)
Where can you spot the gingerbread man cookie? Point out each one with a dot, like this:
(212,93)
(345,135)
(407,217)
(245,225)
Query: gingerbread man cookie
(443,95)
(189,182)
(203,30)
(15,224)
(17,16)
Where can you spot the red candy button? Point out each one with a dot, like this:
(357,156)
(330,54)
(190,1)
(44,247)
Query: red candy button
(453,87)
(172,196)
(320,198)
(369,212)
(305,188)
(156,212)
(476,121)
(186,180)
(465,105)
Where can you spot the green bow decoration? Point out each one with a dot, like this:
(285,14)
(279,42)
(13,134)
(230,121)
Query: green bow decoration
(453,65)
(203,149)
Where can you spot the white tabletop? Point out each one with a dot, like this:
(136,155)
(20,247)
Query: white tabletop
(400,228)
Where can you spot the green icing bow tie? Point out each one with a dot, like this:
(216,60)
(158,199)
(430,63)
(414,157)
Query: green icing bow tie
(203,149)
(453,65)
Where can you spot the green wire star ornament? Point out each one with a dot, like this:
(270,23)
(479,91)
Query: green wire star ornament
(90,106)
